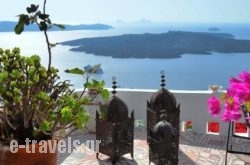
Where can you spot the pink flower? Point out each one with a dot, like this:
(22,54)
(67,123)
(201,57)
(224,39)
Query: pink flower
(241,86)
(232,104)
(236,97)
(231,115)
(214,106)
(245,77)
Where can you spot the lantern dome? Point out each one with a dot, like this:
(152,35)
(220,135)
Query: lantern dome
(163,98)
(117,110)
(163,131)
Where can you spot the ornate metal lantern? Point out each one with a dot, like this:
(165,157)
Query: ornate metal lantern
(116,132)
(163,99)
(161,140)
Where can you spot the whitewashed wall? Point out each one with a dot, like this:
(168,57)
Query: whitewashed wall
(193,106)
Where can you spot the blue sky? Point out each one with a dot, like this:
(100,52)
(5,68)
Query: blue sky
(110,11)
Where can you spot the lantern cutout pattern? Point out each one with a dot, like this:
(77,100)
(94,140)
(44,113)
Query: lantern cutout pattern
(161,141)
(163,99)
(116,131)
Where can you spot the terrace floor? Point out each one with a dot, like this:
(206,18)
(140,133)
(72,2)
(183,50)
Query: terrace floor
(194,149)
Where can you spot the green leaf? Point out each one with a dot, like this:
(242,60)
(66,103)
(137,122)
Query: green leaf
(43,16)
(74,71)
(33,8)
(43,26)
(88,85)
(81,118)
(48,21)
(43,96)
(66,114)
(85,100)
(19,28)
(3,76)
(60,26)
(45,126)
(105,94)
(23,19)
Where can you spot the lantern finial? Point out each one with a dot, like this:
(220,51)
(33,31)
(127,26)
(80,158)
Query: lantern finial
(163,79)
(114,85)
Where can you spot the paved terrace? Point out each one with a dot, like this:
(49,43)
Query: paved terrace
(197,147)
(194,149)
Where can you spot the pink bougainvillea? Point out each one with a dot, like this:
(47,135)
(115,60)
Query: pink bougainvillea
(235,101)
(214,106)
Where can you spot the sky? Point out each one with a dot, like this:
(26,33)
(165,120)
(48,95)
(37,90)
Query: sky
(111,11)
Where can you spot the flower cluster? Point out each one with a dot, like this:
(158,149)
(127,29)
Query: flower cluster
(235,101)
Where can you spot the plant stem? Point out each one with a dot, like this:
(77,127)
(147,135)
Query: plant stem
(47,37)
(49,49)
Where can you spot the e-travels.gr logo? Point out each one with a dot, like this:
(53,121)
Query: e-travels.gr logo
(62,146)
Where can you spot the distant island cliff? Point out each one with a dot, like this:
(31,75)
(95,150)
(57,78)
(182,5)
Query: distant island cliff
(172,44)
(8,26)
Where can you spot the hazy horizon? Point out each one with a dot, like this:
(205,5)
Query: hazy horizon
(130,11)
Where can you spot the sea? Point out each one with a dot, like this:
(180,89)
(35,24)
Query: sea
(190,72)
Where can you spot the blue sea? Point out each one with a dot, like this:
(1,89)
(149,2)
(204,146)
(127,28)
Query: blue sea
(190,72)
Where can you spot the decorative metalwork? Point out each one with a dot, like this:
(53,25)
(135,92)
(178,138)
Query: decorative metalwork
(161,140)
(114,85)
(163,79)
(164,99)
(232,136)
(116,133)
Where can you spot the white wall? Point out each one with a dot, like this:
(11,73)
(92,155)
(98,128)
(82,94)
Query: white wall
(193,106)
